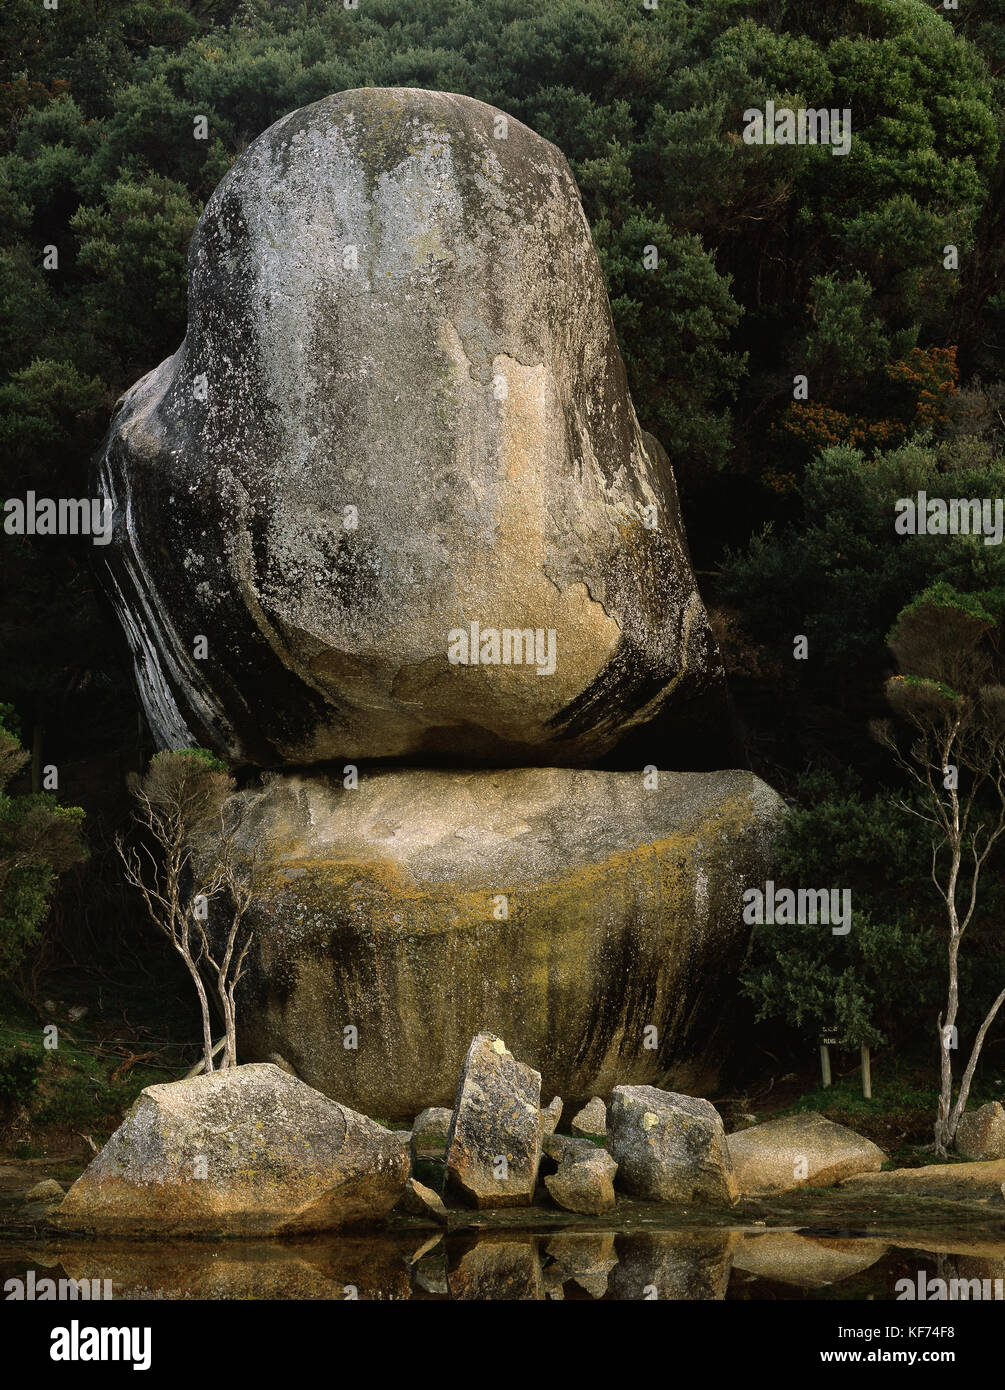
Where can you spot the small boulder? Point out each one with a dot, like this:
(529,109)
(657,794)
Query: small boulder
(429,1133)
(555,1146)
(550,1116)
(585,1179)
(669,1147)
(592,1119)
(981,1133)
(784,1154)
(494,1145)
(420,1200)
(48,1190)
(246,1151)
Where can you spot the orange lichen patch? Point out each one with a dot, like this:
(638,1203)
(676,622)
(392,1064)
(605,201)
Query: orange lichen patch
(392,899)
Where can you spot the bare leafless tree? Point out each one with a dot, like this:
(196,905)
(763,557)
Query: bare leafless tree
(187,860)
(235,875)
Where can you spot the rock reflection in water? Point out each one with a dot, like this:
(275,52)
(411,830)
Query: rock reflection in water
(579,1264)
(805,1261)
(673,1264)
(511,1265)
(504,1267)
(349,1268)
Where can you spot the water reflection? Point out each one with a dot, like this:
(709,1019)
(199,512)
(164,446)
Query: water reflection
(512,1265)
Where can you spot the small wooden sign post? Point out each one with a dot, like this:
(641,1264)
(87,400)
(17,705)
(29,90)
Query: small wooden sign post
(827,1041)
(866,1072)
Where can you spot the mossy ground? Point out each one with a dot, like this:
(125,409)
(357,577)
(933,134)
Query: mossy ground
(83,1086)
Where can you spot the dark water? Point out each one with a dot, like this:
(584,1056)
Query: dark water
(613,1265)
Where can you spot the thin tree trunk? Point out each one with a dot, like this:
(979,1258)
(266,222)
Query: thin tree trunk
(968,1075)
(207,1032)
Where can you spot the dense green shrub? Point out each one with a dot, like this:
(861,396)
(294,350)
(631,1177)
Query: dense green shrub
(19,1069)
(883,982)
(39,839)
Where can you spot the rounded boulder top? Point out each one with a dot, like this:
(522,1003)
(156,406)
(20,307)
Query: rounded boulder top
(390,497)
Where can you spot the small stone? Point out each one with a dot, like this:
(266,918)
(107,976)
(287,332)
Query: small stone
(585,1179)
(420,1200)
(592,1119)
(669,1147)
(587,1258)
(553,1146)
(980,1134)
(48,1190)
(279,1061)
(429,1133)
(952,1182)
(550,1116)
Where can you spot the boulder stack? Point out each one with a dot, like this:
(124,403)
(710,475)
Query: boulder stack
(387,526)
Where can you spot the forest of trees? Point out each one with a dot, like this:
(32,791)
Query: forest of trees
(877,276)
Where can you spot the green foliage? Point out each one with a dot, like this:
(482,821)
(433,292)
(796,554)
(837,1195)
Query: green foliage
(881,982)
(186,788)
(135,246)
(773,261)
(19,1069)
(39,839)
(648,106)
(948,648)
(840,575)
(846,341)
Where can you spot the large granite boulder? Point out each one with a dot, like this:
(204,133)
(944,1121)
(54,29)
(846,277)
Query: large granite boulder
(246,1151)
(593,922)
(398,429)
(799,1150)
(669,1148)
(494,1144)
